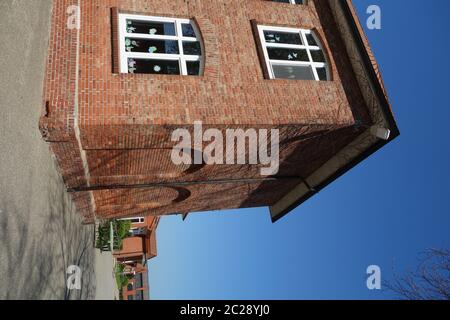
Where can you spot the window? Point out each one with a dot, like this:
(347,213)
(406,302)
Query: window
(139,281)
(130,287)
(138,231)
(134,220)
(290,1)
(139,295)
(156,45)
(293,54)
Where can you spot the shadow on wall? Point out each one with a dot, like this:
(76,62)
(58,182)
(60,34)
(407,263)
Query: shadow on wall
(37,260)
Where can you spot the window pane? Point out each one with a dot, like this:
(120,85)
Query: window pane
(153,66)
(193,68)
(311,40)
(192,48)
(322,72)
(288,54)
(317,56)
(283,37)
(293,72)
(152,28)
(138,280)
(188,30)
(151,46)
(159,46)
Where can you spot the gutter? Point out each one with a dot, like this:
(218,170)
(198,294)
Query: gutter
(385,109)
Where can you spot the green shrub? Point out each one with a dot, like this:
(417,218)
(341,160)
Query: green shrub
(121,279)
(121,230)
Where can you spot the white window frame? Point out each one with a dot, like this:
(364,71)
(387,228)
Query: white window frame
(181,57)
(305,45)
(141,219)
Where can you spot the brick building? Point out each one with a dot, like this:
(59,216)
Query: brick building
(137,287)
(118,86)
(141,245)
(136,251)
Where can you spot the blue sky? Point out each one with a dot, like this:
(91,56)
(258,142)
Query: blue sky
(383,212)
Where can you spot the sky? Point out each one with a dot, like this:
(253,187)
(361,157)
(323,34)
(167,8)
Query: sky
(383,212)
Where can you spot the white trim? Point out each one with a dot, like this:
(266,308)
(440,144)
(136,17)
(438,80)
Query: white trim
(304,46)
(140,219)
(83,156)
(181,57)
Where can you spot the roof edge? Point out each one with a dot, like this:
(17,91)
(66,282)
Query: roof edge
(374,76)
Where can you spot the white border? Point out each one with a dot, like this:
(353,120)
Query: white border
(303,33)
(181,57)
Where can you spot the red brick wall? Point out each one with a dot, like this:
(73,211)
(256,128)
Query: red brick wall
(132,246)
(126,120)
(145,287)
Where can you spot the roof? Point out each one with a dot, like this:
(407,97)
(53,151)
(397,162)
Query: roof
(373,89)
(150,238)
(367,47)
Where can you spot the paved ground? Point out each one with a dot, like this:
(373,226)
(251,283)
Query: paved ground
(104,272)
(40,233)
